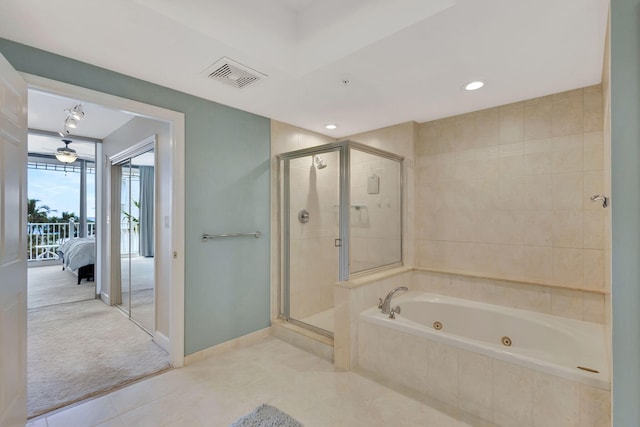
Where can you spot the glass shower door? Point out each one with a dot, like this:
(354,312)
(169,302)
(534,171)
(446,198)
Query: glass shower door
(312,184)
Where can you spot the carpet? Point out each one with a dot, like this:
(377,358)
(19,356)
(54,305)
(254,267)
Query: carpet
(51,285)
(266,416)
(142,308)
(79,349)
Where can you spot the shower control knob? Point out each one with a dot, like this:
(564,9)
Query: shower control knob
(303,216)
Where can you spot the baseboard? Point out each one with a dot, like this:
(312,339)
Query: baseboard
(306,340)
(162,340)
(234,344)
(105,298)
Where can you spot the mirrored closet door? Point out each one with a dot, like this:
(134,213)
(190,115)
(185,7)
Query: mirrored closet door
(133,194)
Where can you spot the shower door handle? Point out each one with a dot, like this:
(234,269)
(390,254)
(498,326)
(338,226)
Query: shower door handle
(337,242)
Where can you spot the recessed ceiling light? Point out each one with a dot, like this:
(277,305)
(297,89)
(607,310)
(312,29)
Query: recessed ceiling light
(331,126)
(474,85)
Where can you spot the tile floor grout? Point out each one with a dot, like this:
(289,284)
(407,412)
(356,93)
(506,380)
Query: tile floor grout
(218,390)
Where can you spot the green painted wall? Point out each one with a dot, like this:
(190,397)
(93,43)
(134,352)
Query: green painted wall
(227,190)
(625,205)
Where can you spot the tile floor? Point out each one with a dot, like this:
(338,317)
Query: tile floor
(221,389)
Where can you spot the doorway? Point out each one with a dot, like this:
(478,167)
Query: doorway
(170,336)
(170,180)
(79,346)
(14,248)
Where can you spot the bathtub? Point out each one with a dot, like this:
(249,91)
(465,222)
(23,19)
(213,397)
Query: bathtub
(567,348)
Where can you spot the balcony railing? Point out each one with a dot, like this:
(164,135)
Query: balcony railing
(43,239)
(129,238)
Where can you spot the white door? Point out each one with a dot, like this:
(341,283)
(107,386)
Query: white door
(13,247)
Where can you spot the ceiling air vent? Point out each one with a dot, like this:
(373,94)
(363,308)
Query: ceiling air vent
(233,73)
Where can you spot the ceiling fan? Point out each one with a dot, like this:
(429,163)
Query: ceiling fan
(66,154)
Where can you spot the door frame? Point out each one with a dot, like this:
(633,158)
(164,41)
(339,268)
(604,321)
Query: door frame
(174,224)
(13,247)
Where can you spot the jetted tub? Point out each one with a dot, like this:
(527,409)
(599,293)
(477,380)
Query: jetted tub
(567,348)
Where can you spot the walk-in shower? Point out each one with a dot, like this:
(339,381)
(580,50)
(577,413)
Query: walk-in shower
(340,214)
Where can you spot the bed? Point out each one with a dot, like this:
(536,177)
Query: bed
(78,255)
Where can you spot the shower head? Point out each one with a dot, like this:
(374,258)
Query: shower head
(320,164)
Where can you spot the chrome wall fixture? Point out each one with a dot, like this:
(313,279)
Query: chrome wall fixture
(320,164)
(605,199)
(207,237)
(303,216)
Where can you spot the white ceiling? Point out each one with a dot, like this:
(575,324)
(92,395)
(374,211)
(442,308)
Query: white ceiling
(47,113)
(405,59)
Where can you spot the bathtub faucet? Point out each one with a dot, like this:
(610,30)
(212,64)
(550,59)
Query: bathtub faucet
(385,305)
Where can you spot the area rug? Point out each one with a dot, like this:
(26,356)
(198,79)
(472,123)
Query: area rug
(80,349)
(266,416)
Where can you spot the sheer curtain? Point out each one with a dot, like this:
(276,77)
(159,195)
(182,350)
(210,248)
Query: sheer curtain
(116,231)
(146,210)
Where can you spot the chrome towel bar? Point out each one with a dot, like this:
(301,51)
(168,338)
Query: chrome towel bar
(206,237)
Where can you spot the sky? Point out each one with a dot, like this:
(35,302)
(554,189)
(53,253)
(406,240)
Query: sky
(60,191)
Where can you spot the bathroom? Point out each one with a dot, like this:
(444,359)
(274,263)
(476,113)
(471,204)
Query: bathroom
(497,209)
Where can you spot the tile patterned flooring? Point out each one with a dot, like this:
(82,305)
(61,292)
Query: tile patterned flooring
(221,389)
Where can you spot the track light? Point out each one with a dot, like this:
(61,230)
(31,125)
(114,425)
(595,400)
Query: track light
(74,115)
(70,122)
(76,112)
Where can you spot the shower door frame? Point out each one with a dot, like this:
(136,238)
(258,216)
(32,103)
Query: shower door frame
(284,311)
(344,182)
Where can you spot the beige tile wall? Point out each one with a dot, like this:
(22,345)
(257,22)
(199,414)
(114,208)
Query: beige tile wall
(564,302)
(375,221)
(504,192)
(401,140)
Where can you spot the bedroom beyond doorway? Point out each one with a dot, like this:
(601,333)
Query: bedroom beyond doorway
(79,345)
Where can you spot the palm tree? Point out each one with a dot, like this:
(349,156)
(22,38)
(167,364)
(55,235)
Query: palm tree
(40,215)
(135,222)
(37,213)
(66,217)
